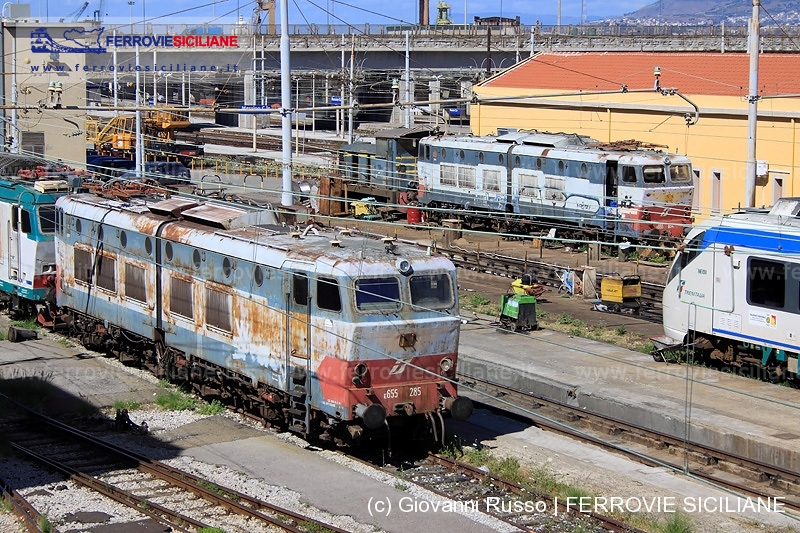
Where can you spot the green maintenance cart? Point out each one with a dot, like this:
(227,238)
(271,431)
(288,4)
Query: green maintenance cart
(518,308)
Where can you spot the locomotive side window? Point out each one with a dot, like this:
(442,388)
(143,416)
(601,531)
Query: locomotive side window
(83,265)
(300,288)
(680,173)
(628,174)
(466,177)
(218,309)
(766,282)
(378,294)
(691,250)
(529,184)
(47,219)
(427,152)
(107,273)
(654,174)
(432,291)
(180,297)
(135,283)
(491,180)
(24,221)
(481,157)
(328,296)
(448,174)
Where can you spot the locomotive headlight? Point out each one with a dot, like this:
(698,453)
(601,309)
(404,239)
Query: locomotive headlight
(404,266)
(360,374)
(446,364)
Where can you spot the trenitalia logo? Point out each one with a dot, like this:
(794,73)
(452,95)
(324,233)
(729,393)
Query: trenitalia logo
(173,41)
(75,39)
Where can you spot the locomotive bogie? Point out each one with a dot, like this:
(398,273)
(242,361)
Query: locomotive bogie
(732,293)
(323,332)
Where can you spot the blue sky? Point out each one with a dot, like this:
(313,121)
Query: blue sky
(356,12)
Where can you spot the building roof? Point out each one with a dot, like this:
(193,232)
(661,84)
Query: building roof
(702,73)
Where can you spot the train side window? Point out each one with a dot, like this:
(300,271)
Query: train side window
(491,180)
(427,152)
(82,263)
(481,157)
(300,288)
(135,283)
(107,273)
(47,219)
(654,174)
(328,296)
(628,174)
(766,283)
(431,291)
(379,294)
(24,221)
(180,297)
(218,309)
(501,159)
(692,249)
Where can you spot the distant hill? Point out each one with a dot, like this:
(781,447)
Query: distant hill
(713,12)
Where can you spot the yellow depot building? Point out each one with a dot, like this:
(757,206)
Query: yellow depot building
(690,103)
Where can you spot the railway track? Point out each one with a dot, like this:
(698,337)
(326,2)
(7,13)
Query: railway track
(29,517)
(505,500)
(175,498)
(546,273)
(263,142)
(732,472)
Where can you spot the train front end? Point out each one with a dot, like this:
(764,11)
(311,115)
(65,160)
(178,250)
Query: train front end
(392,359)
(656,196)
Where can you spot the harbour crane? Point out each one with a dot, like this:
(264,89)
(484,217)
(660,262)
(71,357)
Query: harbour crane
(77,13)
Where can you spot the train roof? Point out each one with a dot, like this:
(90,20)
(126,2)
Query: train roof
(43,180)
(249,233)
(572,146)
(776,230)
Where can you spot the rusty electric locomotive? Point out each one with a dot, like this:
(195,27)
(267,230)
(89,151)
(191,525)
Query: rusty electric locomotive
(336,335)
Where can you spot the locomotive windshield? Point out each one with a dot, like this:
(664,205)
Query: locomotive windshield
(432,291)
(680,173)
(654,174)
(378,294)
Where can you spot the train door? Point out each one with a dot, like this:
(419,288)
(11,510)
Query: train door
(13,243)
(611,184)
(298,344)
(723,284)
(610,192)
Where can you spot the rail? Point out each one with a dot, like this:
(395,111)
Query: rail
(741,474)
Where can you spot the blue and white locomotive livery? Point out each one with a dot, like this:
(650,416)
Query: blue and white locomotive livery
(332,334)
(29,187)
(733,292)
(520,179)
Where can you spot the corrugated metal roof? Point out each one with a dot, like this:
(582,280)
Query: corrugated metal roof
(700,73)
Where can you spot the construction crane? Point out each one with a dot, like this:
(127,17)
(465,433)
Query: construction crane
(77,13)
(264,5)
(98,13)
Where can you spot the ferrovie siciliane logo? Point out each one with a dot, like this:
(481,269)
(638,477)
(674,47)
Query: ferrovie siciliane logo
(75,39)
(41,42)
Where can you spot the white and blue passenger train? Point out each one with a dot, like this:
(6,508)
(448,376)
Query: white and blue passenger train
(733,292)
